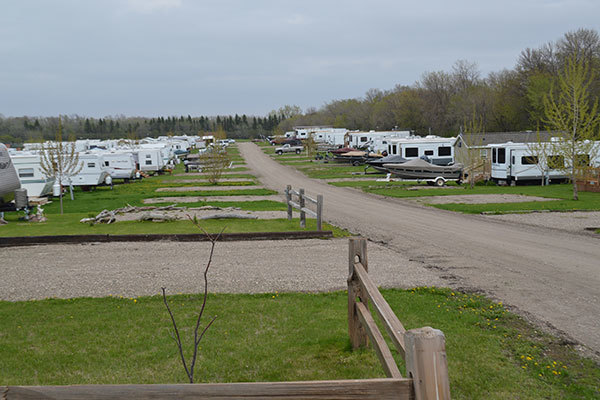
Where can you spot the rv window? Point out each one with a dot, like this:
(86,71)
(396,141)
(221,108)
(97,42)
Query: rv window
(411,152)
(444,151)
(106,163)
(26,173)
(529,160)
(428,152)
(501,156)
(91,165)
(148,162)
(494,156)
(148,156)
(363,139)
(556,161)
(394,150)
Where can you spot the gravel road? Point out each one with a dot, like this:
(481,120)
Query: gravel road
(550,276)
(139,269)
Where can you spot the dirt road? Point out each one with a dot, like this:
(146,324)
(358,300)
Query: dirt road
(552,277)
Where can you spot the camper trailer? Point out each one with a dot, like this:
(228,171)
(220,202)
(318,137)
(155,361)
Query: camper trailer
(519,162)
(149,159)
(29,169)
(376,141)
(439,150)
(120,164)
(91,173)
(9,181)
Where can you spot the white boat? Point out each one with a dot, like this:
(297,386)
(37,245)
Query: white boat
(29,170)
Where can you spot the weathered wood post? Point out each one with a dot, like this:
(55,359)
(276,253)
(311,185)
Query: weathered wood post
(358,335)
(302,213)
(288,198)
(320,212)
(426,363)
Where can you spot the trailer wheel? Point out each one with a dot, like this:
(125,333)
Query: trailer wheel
(439,182)
(356,163)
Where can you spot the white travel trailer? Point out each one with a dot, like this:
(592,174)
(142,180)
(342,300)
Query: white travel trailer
(29,170)
(439,150)
(91,174)
(120,164)
(149,159)
(9,181)
(376,141)
(520,162)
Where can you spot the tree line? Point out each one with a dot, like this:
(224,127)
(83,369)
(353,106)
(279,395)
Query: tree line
(443,102)
(18,130)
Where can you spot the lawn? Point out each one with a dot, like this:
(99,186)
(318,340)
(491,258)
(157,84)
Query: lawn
(492,354)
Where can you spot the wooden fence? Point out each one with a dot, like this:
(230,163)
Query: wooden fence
(589,180)
(423,350)
(301,206)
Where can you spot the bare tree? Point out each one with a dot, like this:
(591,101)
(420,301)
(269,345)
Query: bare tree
(59,160)
(198,335)
(214,163)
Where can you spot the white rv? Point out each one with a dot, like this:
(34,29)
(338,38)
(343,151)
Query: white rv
(9,181)
(29,170)
(120,164)
(439,150)
(149,159)
(91,174)
(376,141)
(519,162)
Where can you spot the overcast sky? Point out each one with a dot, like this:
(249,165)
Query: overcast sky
(203,57)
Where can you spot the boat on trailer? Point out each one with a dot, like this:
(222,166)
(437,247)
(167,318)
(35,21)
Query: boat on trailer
(422,170)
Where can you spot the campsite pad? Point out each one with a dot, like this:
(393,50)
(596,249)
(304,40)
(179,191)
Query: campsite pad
(570,221)
(206,180)
(480,199)
(195,199)
(207,188)
(183,214)
(207,174)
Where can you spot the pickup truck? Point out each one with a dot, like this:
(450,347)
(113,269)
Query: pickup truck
(286,148)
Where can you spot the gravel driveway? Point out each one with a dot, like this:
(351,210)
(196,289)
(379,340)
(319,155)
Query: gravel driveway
(140,269)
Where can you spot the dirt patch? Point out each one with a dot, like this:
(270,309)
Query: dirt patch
(200,213)
(195,199)
(207,188)
(480,199)
(206,180)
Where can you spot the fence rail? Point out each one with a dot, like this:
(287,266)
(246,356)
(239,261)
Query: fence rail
(422,349)
(301,206)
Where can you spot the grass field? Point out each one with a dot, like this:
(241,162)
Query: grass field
(279,337)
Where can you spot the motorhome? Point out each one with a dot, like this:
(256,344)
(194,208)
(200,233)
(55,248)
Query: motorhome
(9,181)
(439,150)
(521,162)
(91,173)
(29,169)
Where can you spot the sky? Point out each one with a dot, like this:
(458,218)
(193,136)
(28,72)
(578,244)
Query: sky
(100,58)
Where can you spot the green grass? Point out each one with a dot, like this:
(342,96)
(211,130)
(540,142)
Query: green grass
(69,224)
(280,337)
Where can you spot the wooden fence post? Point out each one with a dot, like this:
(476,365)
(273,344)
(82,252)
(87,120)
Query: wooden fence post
(320,212)
(358,335)
(426,363)
(302,213)
(288,198)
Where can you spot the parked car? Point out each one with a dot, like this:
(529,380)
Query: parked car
(286,148)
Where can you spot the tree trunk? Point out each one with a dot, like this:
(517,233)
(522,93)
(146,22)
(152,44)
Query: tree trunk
(574,181)
(61,196)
